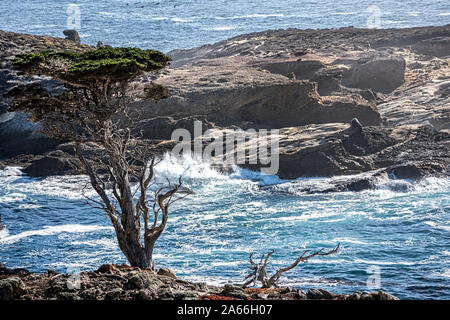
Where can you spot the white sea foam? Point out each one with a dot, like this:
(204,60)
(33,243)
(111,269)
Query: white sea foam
(249,16)
(18,187)
(13,197)
(445,273)
(105,243)
(327,261)
(52,230)
(349,240)
(263,179)
(106,13)
(385,263)
(187,167)
(226,263)
(28,206)
(383,186)
(342,13)
(222,28)
(3,234)
(306,216)
(11,172)
(160,18)
(438,226)
(181,20)
(311,282)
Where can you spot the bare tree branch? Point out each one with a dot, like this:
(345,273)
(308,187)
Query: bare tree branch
(259,272)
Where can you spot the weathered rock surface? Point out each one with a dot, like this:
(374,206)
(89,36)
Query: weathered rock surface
(308,83)
(72,35)
(383,74)
(167,273)
(17,135)
(54,163)
(338,149)
(235,95)
(439,47)
(121,282)
(11,288)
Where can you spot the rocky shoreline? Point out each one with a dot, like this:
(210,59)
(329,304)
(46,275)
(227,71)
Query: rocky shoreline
(122,282)
(309,84)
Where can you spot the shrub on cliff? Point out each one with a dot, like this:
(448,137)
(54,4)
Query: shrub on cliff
(93,109)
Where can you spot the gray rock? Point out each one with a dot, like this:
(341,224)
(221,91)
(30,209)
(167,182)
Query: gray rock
(145,295)
(6,290)
(232,287)
(11,288)
(187,295)
(366,296)
(54,164)
(67,296)
(234,291)
(72,35)
(383,74)
(386,296)
(354,296)
(91,294)
(114,294)
(260,296)
(417,170)
(438,47)
(167,273)
(166,293)
(142,280)
(319,294)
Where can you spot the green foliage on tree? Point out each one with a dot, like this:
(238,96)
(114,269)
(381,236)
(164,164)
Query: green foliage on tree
(94,109)
(107,60)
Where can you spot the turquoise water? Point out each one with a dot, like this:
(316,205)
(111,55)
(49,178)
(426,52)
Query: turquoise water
(175,24)
(209,235)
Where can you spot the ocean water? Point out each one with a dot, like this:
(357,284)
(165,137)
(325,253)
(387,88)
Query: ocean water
(179,24)
(403,236)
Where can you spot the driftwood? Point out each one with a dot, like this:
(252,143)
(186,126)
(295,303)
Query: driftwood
(259,270)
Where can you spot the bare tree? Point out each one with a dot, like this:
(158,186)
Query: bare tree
(259,271)
(92,109)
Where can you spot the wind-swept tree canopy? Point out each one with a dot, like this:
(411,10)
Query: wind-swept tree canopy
(96,84)
(105,63)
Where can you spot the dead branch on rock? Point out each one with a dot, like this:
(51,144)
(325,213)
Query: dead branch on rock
(259,270)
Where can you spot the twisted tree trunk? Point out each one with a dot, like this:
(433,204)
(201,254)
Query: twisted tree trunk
(93,109)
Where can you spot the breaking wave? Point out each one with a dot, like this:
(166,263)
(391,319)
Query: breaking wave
(237,211)
(52,230)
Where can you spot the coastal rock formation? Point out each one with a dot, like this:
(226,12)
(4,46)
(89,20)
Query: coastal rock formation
(228,96)
(309,84)
(383,74)
(72,35)
(438,47)
(17,135)
(122,282)
(11,288)
(54,163)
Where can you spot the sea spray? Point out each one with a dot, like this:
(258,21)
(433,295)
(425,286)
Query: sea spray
(231,214)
